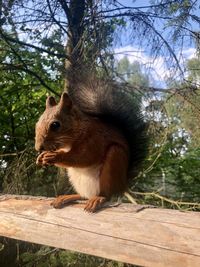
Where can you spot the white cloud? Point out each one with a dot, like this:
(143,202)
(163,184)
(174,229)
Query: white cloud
(156,67)
(189,53)
(153,66)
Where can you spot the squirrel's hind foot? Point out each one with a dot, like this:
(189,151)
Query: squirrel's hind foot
(60,201)
(95,203)
(92,205)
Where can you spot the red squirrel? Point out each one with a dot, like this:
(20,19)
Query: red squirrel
(98,134)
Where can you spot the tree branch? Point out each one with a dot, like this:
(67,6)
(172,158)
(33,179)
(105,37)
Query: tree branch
(15,40)
(33,73)
(168,200)
(54,19)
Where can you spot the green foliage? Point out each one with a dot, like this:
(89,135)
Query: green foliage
(184,105)
(194,69)
(132,72)
(173,168)
(46,257)
(26,79)
(176,172)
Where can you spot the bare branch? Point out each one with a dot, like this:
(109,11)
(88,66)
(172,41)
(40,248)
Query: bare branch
(15,40)
(54,19)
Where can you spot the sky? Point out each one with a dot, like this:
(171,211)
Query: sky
(158,67)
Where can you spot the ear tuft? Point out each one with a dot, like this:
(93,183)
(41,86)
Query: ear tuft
(50,102)
(65,101)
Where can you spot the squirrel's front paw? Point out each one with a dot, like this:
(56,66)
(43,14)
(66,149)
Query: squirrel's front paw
(48,158)
(39,160)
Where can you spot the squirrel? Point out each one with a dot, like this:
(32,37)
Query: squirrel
(97,132)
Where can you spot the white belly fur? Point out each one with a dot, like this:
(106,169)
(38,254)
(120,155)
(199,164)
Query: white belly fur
(85,180)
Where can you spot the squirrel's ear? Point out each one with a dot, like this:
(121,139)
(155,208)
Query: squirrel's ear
(50,102)
(65,101)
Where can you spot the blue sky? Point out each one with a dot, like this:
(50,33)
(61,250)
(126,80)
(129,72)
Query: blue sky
(159,67)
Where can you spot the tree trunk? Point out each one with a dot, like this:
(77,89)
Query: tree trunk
(74,47)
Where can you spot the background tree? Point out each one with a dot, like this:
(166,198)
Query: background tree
(132,73)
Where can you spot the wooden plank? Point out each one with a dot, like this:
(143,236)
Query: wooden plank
(151,237)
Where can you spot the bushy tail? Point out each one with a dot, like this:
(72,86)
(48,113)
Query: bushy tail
(118,106)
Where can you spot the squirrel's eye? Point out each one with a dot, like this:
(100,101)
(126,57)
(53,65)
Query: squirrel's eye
(55,125)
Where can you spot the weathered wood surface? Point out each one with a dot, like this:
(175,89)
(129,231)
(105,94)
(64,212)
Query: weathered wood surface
(151,237)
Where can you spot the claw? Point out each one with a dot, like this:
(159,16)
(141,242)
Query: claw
(62,200)
(94,204)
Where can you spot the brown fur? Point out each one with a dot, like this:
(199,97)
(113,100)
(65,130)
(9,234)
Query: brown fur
(83,142)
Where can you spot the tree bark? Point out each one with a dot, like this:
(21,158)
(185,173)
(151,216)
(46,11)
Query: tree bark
(74,47)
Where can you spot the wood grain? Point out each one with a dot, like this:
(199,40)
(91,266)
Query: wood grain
(151,237)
